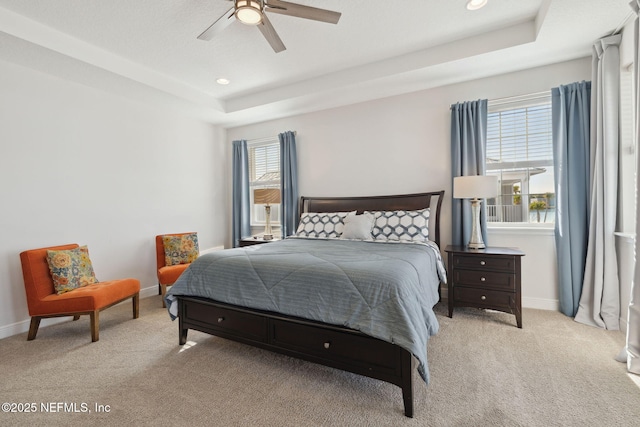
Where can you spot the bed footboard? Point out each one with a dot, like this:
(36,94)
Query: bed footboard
(328,345)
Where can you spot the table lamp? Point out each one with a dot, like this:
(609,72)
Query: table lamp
(266,196)
(475,188)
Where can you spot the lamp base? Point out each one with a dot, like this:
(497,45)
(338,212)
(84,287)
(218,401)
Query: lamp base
(476,245)
(476,241)
(267,229)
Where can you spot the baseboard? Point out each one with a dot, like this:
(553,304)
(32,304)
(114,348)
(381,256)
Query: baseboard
(149,291)
(23,326)
(541,303)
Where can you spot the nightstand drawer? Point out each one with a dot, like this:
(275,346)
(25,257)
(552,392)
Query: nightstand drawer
(484,298)
(479,262)
(485,279)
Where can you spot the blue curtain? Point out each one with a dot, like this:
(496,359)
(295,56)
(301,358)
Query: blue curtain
(570,109)
(468,153)
(288,183)
(241,226)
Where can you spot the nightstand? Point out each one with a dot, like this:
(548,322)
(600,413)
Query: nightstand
(485,278)
(256,240)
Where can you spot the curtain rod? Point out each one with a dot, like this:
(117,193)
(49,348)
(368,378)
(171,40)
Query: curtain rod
(266,138)
(623,23)
(259,140)
(517,98)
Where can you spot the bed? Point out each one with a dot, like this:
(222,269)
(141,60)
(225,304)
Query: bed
(362,306)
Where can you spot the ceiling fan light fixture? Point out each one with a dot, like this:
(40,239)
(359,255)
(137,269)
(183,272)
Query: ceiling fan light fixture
(248,12)
(476,4)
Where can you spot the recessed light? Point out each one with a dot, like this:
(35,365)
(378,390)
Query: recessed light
(476,4)
(223,81)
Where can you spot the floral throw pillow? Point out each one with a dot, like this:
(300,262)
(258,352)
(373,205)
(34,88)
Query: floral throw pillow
(70,269)
(182,249)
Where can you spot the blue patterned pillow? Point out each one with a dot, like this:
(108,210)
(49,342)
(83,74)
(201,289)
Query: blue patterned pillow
(327,225)
(401,225)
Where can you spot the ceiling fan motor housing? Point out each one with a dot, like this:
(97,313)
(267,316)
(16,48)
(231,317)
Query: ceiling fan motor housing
(248,11)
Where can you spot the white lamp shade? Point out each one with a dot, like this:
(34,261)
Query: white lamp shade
(475,187)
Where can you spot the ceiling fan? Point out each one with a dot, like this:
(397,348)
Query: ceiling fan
(252,12)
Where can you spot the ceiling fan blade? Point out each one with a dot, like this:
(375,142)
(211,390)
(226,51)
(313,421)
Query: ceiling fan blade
(300,11)
(215,28)
(270,34)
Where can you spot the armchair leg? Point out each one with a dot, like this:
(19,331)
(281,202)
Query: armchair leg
(136,306)
(95,325)
(33,328)
(163,293)
(76,317)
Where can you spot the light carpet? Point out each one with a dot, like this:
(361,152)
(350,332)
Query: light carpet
(484,372)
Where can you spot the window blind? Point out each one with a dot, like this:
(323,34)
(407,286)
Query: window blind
(264,163)
(519,138)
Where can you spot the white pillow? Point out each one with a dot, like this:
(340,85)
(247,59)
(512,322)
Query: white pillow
(401,225)
(326,225)
(358,227)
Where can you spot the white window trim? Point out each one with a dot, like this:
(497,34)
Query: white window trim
(510,103)
(520,228)
(256,143)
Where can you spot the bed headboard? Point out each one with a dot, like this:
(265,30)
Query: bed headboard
(416,201)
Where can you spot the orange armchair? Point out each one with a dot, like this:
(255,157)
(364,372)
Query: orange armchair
(43,301)
(167,274)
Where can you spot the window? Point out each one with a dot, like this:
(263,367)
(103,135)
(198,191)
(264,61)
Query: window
(264,173)
(520,154)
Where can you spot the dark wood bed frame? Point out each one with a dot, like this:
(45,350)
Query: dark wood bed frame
(328,345)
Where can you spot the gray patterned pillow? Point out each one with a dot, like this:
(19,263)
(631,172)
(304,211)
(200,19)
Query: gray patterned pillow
(326,225)
(401,225)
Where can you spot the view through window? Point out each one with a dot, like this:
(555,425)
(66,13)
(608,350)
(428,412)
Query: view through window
(520,153)
(264,172)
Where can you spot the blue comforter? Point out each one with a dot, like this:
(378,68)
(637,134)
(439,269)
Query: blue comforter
(385,290)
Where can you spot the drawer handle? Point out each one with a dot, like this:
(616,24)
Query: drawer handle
(327,344)
(483,297)
(482,279)
(482,263)
(220,319)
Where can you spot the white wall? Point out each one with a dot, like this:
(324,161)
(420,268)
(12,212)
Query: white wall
(401,145)
(81,165)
